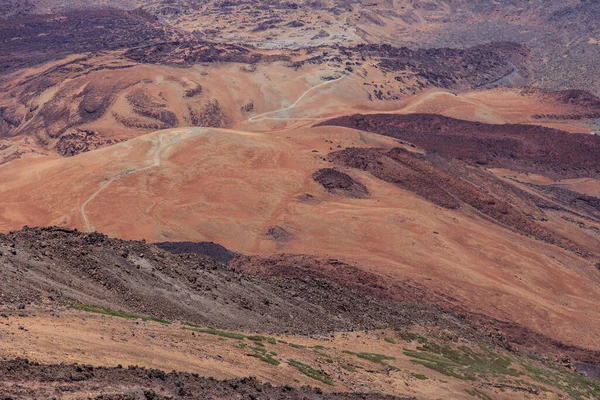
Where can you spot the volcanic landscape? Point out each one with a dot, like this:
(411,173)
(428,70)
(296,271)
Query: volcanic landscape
(273,199)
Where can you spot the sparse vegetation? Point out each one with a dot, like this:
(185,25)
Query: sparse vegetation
(575,385)
(217,332)
(478,393)
(390,340)
(347,367)
(260,338)
(311,372)
(420,377)
(120,314)
(373,357)
(461,369)
(462,362)
(297,346)
(413,337)
(262,354)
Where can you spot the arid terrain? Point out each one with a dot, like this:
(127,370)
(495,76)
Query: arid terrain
(299,200)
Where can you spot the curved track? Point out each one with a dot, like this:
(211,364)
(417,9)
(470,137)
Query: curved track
(515,71)
(265,116)
(158,148)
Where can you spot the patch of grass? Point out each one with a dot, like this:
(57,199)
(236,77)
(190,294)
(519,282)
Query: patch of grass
(390,340)
(373,357)
(421,377)
(347,367)
(241,345)
(412,337)
(261,354)
(575,385)
(260,338)
(478,393)
(445,370)
(191,324)
(311,372)
(462,362)
(297,346)
(217,332)
(268,359)
(121,314)
(318,347)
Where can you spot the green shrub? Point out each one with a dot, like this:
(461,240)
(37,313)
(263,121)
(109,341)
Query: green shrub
(478,393)
(413,337)
(268,358)
(217,332)
(260,338)
(463,362)
(311,372)
(120,314)
(297,346)
(348,367)
(373,357)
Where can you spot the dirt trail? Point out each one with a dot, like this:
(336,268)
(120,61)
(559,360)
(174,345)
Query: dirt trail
(264,116)
(515,71)
(158,147)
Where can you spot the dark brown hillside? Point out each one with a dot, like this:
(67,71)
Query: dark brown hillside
(525,148)
(35,39)
(134,383)
(39,264)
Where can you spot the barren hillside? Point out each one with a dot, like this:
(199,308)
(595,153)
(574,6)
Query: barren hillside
(280,199)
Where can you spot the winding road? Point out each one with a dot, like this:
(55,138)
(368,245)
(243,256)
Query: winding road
(264,116)
(514,72)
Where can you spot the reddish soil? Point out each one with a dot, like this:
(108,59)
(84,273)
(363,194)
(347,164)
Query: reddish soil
(525,148)
(450,186)
(21,379)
